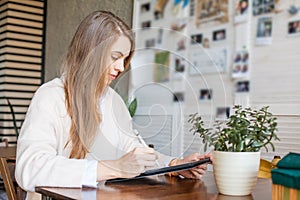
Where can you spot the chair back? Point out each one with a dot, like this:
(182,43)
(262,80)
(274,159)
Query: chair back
(7,170)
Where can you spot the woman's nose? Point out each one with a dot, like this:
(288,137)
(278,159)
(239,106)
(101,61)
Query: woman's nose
(120,66)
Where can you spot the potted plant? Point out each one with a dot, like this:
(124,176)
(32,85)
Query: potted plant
(237,142)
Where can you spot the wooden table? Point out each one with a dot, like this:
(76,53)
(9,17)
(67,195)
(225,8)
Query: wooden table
(158,187)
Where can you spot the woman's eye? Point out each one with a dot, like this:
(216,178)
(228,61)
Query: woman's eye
(115,57)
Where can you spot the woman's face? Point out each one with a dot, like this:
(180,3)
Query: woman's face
(119,52)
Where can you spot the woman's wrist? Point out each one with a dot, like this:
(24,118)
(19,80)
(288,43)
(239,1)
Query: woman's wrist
(107,170)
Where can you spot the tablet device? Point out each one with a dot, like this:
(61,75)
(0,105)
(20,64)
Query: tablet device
(164,170)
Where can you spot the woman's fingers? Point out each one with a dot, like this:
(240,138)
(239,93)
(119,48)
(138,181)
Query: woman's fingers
(203,167)
(145,156)
(193,173)
(197,172)
(136,161)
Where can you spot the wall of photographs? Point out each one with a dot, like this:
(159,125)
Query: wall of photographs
(207,55)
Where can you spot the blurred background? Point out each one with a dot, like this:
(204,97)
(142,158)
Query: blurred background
(191,56)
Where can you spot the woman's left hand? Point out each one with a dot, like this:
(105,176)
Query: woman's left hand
(197,172)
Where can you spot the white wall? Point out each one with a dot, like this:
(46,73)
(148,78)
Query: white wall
(273,73)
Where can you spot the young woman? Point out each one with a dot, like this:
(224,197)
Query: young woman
(77,130)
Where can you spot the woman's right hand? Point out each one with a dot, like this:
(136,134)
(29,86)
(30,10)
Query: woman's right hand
(131,164)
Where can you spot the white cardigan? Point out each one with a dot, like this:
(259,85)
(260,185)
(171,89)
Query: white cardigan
(43,160)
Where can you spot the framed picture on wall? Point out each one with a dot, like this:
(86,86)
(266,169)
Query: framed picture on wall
(145,7)
(264,31)
(241,11)
(205,94)
(146,24)
(196,38)
(179,67)
(150,43)
(263,6)
(241,7)
(242,86)
(219,35)
(161,68)
(294,28)
(222,113)
(212,10)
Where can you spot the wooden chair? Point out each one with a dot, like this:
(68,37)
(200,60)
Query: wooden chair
(7,169)
(3,142)
(8,182)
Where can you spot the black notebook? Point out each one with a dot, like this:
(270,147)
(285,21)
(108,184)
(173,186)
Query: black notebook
(164,170)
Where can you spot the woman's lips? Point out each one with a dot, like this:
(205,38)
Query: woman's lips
(113,77)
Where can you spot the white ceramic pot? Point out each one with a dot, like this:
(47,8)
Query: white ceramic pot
(235,172)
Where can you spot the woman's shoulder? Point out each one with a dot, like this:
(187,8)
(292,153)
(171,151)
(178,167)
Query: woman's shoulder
(50,90)
(116,101)
(113,95)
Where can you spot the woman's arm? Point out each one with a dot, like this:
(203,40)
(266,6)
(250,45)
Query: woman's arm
(40,147)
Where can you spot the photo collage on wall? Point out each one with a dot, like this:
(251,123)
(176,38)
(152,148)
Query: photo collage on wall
(213,34)
(192,8)
(155,41)
(207,52)
(146,24)
(147,13)
(241,64)
(157,12)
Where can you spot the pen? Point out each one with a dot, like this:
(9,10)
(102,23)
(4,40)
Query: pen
(143,142)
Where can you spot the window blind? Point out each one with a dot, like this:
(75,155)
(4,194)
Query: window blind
(22,39)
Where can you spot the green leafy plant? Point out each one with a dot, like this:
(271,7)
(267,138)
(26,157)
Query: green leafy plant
(132,106)
(247,130)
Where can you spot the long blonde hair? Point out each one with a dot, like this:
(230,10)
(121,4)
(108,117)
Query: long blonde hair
(85,71)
